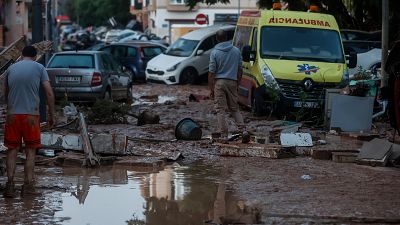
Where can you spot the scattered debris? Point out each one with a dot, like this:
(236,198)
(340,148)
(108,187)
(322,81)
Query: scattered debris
(147,117)
(306,177)
(198,98)
(296,139)
(375,152)
(90,157)
(188,129)
(254,150)
(61,142)
(351,114)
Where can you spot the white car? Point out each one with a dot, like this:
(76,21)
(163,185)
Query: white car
(370,60)
(187,58)
(116,35)
(368,53)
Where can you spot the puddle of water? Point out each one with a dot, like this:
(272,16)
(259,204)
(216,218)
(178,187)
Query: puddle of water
(177,195)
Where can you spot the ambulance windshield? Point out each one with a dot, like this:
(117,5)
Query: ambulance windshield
(305,44)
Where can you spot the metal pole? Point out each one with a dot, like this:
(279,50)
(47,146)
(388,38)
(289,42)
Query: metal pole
(37,36)
(37,28)
(385,41)
(238,8)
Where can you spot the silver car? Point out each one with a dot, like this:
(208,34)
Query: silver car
(84,76)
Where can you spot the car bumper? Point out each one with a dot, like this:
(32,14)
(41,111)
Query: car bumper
(167,78)
(79,94)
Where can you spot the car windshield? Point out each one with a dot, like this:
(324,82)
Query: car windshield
(182,47)
(297,43)
(150,52)
(72,61)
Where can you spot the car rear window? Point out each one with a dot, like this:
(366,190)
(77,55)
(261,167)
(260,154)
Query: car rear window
(72,61)
(150,52)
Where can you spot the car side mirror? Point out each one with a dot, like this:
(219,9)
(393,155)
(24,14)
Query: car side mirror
(200,52)
(351,60)
(248,55)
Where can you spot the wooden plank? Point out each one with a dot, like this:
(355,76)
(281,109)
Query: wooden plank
(90,157)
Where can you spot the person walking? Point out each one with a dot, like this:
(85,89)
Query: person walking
(21,90)
(225,72)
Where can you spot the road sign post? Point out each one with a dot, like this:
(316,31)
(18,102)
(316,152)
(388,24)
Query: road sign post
(201,19)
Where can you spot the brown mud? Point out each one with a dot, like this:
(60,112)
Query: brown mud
(204,188)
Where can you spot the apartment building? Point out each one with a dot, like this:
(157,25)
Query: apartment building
(165,17)
(13,20)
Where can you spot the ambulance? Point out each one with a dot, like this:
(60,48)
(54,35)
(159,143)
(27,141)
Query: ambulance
(289,59)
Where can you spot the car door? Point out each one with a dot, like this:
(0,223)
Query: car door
(112,74)
(123,79)
(202,60)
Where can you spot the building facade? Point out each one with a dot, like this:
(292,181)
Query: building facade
(165,17)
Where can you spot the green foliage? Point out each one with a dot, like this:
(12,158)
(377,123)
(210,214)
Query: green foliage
(107,112)
(97,12)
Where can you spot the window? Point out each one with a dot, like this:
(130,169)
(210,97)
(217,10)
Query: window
(298,43)
(182,47)
(242,36)
(72,61)
(177,2)
(254,41)
(118,51)
(207,44)
(150,52)
(131,52)
(105,62)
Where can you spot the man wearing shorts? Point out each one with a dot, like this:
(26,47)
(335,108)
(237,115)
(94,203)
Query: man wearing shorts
(21,86)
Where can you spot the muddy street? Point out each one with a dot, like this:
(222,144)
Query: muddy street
(144,186)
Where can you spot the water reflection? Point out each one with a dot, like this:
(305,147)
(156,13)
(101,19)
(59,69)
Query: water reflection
(116,195)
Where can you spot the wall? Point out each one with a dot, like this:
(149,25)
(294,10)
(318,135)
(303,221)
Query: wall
(183,16)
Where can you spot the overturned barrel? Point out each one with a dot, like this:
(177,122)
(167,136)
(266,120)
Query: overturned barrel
(187,129)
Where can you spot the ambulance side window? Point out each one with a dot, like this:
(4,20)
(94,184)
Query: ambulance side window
(254,41)
(242,36)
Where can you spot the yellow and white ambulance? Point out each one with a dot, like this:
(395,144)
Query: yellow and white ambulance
(289,58)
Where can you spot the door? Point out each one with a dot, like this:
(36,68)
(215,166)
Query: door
(202,61)
(112,74)
(122,79)
(243,37)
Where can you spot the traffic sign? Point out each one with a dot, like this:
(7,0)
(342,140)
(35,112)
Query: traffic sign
(201,19)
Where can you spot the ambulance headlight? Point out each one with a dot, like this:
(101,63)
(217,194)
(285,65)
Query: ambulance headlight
(269,79)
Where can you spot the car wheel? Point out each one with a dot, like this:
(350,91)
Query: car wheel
(188,76)
(257,109)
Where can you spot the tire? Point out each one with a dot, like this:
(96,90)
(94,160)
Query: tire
(189,76)
(257,108)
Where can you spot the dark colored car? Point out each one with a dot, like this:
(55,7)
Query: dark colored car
(84,76)
(134,55)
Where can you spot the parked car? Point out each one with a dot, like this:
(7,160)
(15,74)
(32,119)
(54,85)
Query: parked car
(137,36)
(134,55)
(358,35)
(367,46)
(85,76)
(187,58)
(116,35)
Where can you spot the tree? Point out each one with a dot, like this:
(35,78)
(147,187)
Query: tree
(350,14)
(98,12)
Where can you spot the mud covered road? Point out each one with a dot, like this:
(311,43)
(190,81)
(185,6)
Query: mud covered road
(204,188)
